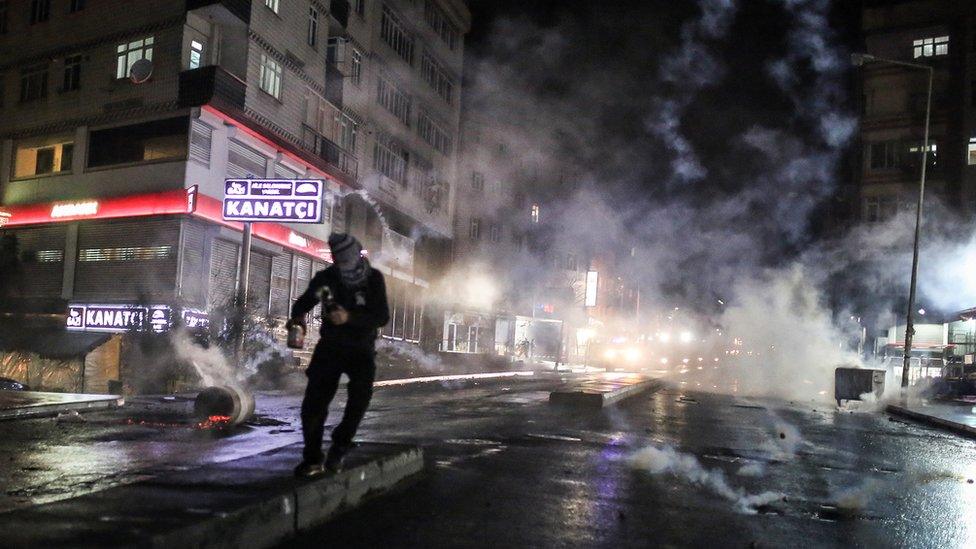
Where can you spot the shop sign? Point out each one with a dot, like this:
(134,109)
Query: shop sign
(194,319)
(287,200)
(117,318)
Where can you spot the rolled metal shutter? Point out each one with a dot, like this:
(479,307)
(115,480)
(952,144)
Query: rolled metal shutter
(200,141)
(127,261)
(243,161)
(280,279)
(259,282)
(41,254)
(193,280)
(223,273)
(284,172)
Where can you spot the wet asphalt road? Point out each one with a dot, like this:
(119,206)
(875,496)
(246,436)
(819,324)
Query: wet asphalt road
(506,469)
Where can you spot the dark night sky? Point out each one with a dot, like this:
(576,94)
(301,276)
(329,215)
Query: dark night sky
(626,40)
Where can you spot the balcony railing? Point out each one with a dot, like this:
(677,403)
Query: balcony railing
(327,150)
(211,85)
(239,8)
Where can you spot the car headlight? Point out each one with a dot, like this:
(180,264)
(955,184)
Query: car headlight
(610,354)
(632,354)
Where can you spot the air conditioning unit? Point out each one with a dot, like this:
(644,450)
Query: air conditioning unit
(335,52)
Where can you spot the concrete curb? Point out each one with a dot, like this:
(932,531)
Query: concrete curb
(41,408)
(251,502)
(598,399)
(932,421)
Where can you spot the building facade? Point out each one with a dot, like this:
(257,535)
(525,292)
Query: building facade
(938,33)
(119,122)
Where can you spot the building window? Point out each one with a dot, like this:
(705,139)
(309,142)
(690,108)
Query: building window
(972,151)
(313,26)
(437,77)
(40,11)
(438,21)
(196,54)
(271,5)
(130,52)
(478,181)
(883,155)
(45,156)
(395,34)
(474,230)
(76,5)
(270,77)
(345,130)
(131,253)
(361,8)
(3,16)
(390,160)
(931,47)
(156,140)
(495,232)
(434,135)
(880,208)
(356,66)
(72,73)
(33,82)
(390,97)
(535,213)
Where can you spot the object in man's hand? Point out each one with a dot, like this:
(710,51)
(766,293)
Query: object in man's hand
(296,334)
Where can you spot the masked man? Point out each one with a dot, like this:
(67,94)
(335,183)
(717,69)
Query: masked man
(354,307)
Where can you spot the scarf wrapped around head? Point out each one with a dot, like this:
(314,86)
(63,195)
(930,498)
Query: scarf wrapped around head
(347,256)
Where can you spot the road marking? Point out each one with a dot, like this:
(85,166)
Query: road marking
(455,377)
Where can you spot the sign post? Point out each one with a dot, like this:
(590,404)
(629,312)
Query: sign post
(273,200)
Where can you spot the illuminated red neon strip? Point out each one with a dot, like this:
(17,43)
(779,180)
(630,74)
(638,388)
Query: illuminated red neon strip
(163,203)
(138,205)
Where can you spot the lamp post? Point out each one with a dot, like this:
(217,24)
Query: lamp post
(859,59)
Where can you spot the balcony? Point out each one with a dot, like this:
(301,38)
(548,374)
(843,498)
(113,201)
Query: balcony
(211,85)
(327,150)
(238,8)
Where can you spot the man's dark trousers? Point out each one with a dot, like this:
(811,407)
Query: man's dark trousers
(324,371)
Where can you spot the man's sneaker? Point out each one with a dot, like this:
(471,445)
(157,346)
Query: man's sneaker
(308,469)
(337,452)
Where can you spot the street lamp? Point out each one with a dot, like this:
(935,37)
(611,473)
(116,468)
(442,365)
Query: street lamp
(859,59)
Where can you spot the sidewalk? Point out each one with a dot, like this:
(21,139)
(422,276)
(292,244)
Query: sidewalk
(250,502)
(956,418)
(19,404)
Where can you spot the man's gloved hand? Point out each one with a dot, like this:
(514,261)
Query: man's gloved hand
(296,321)
(338,316)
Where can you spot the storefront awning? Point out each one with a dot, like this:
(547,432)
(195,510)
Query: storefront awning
(50,343)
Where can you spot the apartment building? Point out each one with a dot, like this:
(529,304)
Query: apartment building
(936,33)
(120,120)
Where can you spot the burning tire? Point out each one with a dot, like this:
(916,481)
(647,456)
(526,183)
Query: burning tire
(227,405)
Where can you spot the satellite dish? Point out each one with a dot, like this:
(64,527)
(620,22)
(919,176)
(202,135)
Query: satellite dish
(140,71)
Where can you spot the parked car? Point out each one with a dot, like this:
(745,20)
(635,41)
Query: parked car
(7,384)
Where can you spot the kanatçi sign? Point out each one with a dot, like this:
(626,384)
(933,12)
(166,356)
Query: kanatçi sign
(124,318)
(273,200)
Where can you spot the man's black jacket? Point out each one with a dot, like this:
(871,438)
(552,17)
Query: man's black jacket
(367,306)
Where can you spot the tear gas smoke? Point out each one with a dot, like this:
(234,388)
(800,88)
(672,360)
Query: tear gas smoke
(717,195)
(666,460)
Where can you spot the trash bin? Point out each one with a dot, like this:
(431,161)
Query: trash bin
(851,383)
